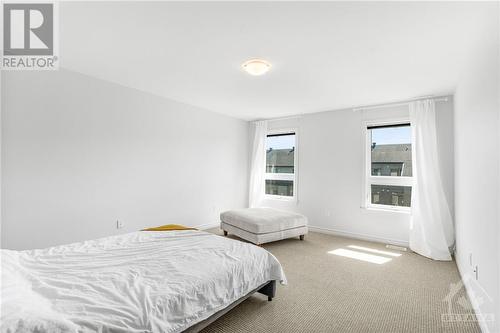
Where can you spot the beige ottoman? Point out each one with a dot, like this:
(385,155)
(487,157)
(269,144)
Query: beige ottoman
(263,225)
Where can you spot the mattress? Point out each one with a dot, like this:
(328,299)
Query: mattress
(263,220)
(146,281)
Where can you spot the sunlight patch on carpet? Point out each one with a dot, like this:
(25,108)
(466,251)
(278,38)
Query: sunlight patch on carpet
(374,259)
(367,249)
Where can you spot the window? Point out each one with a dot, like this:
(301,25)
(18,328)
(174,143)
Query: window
(281,164)
(389,166)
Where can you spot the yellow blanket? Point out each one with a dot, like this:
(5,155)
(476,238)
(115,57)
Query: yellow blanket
(169,227)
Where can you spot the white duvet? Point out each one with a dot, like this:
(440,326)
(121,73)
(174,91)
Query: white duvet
(145,281)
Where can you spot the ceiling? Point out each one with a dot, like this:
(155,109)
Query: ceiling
(325,55)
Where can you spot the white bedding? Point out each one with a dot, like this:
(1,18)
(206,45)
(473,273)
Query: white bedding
(138,282)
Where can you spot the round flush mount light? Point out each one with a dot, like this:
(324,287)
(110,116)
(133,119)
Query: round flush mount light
(256,66)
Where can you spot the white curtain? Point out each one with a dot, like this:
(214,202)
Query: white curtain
(258,164)
(431,231)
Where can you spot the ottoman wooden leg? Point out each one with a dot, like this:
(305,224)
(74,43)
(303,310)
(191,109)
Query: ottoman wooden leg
(225,233)
(301,237)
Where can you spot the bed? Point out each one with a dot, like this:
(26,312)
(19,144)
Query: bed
(146,281)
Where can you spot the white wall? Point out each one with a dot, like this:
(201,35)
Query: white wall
(79,153)
(477,129)
(331,150)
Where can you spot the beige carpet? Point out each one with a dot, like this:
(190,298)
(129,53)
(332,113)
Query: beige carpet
(331,293)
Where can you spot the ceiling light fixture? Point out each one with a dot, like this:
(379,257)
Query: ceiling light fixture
(256,67)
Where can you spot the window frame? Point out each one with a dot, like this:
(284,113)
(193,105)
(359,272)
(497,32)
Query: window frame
(370,180)
(284,176)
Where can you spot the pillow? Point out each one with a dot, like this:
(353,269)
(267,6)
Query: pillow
(169,227)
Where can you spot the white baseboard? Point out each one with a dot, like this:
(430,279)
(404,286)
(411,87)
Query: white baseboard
(329,231)
(474,302)
(206,226)
(348,234)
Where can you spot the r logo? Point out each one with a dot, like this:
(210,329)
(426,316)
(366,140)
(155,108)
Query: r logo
(28,29)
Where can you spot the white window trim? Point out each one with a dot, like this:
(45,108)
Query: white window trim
(285,176)
(380,180)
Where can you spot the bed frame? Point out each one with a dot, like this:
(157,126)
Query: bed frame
(268,289)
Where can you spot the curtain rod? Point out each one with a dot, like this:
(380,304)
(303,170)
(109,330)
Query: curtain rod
(400,103)
(279,118)
(373,106)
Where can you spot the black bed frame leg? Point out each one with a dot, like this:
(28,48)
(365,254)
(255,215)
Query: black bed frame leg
(269,290)
(225,233)
(301,237)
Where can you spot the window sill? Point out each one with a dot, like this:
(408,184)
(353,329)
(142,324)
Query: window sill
(280,198)
(388,209)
